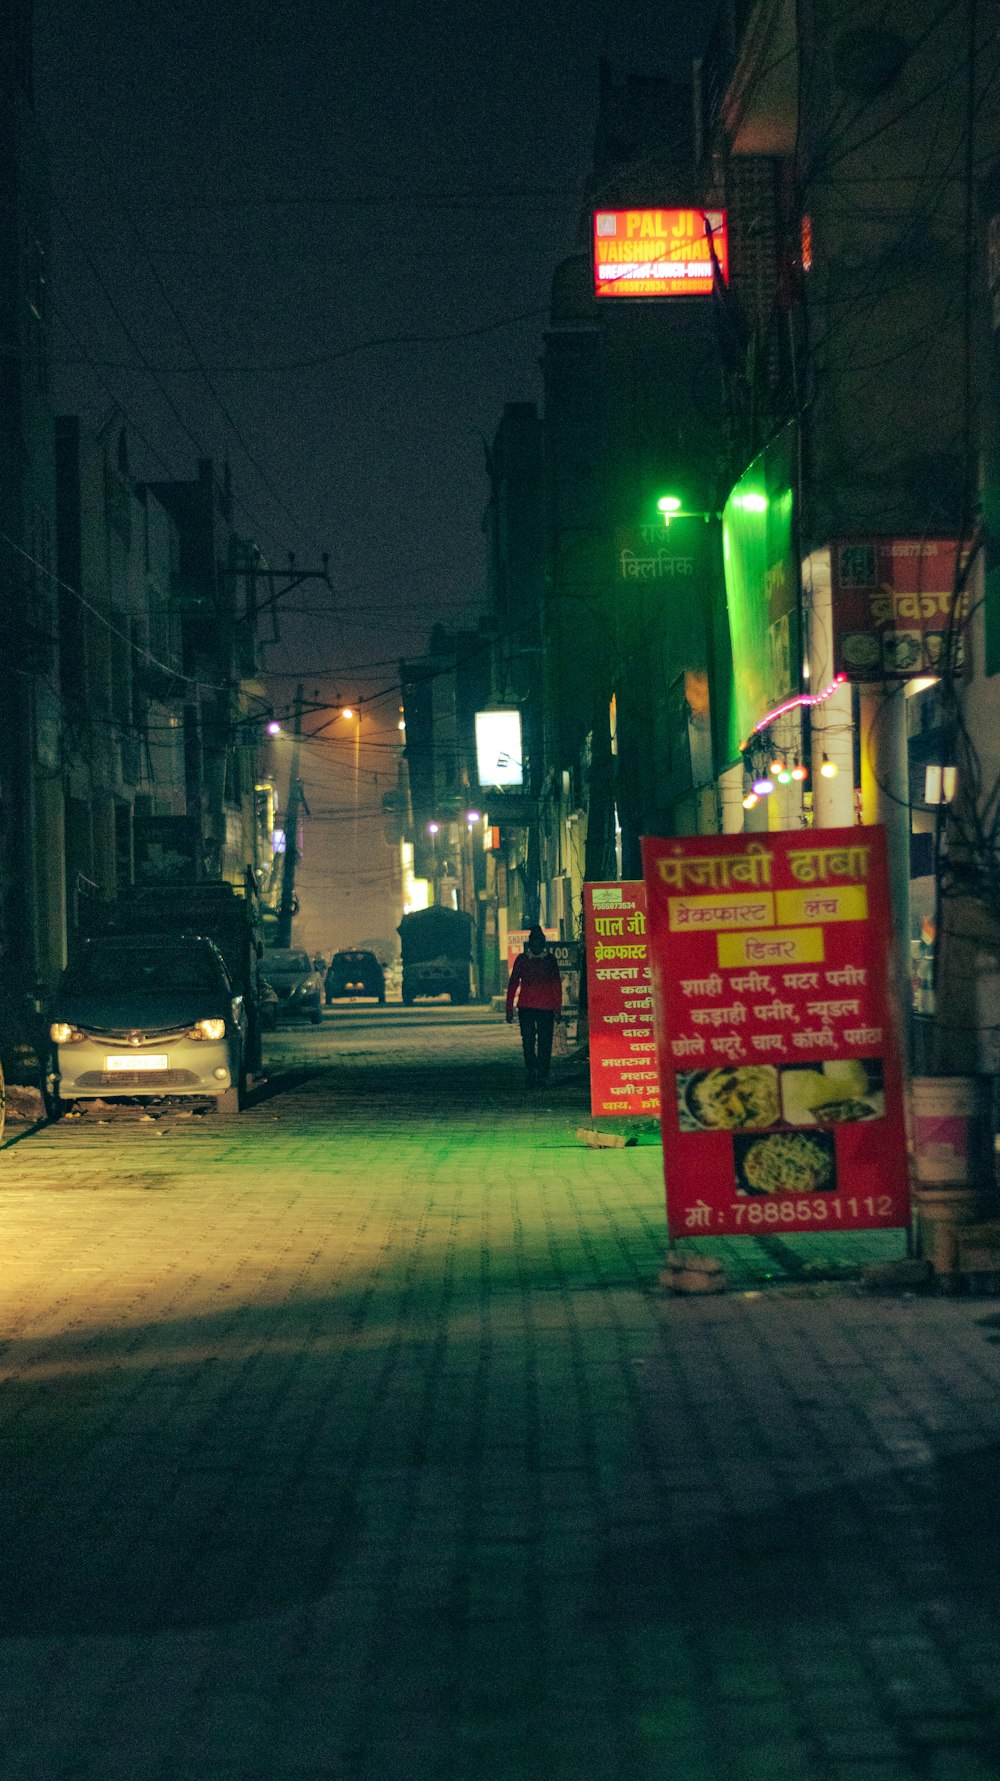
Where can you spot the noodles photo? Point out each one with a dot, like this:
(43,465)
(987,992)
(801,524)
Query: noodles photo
(786,1162)
(741,1098)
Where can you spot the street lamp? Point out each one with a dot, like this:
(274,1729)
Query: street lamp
(672,507)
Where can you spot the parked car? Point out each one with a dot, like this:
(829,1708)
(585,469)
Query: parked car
(299,986)
(355,973)
(269,1004)
(150,1016)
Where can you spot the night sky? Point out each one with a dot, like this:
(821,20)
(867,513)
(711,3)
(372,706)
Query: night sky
(247,197)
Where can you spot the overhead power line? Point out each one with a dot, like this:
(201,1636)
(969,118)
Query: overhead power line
(374,343)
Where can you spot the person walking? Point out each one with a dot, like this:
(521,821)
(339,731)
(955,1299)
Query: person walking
(536,986)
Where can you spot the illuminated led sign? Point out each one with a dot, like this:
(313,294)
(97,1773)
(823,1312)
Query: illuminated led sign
(760,565)
(658,253)
(498,748)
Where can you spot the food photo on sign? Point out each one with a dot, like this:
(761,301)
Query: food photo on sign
(833,1094)
(781,1089)
(786,1163)
(728,1099)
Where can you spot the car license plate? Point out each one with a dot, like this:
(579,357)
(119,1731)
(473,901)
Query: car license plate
(139,1060)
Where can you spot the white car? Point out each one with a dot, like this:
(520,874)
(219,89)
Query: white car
(150,1017)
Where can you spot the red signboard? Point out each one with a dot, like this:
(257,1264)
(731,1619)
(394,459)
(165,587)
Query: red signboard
(780,1078)
(623,1077)
(892,607)
(658,253)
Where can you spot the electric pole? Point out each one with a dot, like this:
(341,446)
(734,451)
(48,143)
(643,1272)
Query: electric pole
(287,909)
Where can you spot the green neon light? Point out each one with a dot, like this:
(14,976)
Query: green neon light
(762,592)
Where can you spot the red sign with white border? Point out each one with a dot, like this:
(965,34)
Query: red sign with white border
(623,1074)
(658,253)
(781,1089)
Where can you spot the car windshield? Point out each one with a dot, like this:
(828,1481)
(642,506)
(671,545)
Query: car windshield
(284,964)
(137,970)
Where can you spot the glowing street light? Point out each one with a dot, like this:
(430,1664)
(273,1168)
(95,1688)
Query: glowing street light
(672,507)
(274,728)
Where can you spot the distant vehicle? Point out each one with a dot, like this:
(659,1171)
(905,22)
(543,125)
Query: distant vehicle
(150,1016)
(299,987)
(437,954)
(355,973)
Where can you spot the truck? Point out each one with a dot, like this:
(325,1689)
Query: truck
(227,913)
(437,954)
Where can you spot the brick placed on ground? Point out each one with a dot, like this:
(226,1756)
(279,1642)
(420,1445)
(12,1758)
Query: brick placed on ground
(693,1271)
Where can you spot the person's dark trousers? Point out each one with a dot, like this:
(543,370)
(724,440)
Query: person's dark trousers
(537,1025)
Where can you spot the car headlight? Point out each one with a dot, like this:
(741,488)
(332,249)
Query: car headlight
(214,1028)
(62,1034)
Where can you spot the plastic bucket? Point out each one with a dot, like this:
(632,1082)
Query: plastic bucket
(949,1122)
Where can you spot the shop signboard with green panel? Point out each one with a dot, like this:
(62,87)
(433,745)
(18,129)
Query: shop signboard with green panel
(760,564)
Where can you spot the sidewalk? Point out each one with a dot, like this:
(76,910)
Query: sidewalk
(355,1440)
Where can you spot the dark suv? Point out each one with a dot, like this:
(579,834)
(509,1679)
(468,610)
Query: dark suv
(355,974)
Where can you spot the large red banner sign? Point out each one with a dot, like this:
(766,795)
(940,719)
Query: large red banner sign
(782,1099)
(623,1077)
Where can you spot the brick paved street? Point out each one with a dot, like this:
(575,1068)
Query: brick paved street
(353,1439)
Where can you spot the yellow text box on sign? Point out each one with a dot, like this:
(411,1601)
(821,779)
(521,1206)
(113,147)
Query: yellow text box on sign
(848,902)
(726,909)
(772,948)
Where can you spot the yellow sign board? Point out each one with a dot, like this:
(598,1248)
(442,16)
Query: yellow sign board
(774,947)
(848,902)
(724,909)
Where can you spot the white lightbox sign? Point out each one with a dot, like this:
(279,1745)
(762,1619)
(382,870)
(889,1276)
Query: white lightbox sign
(498,748)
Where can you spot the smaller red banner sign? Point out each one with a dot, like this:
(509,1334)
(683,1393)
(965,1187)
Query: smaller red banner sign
(623,1077)
(782,1100)
(892,607)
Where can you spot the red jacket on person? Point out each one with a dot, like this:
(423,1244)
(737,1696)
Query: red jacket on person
(536,983)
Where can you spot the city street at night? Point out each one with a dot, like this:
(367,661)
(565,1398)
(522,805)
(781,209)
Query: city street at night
(500,891)
(355,1437)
